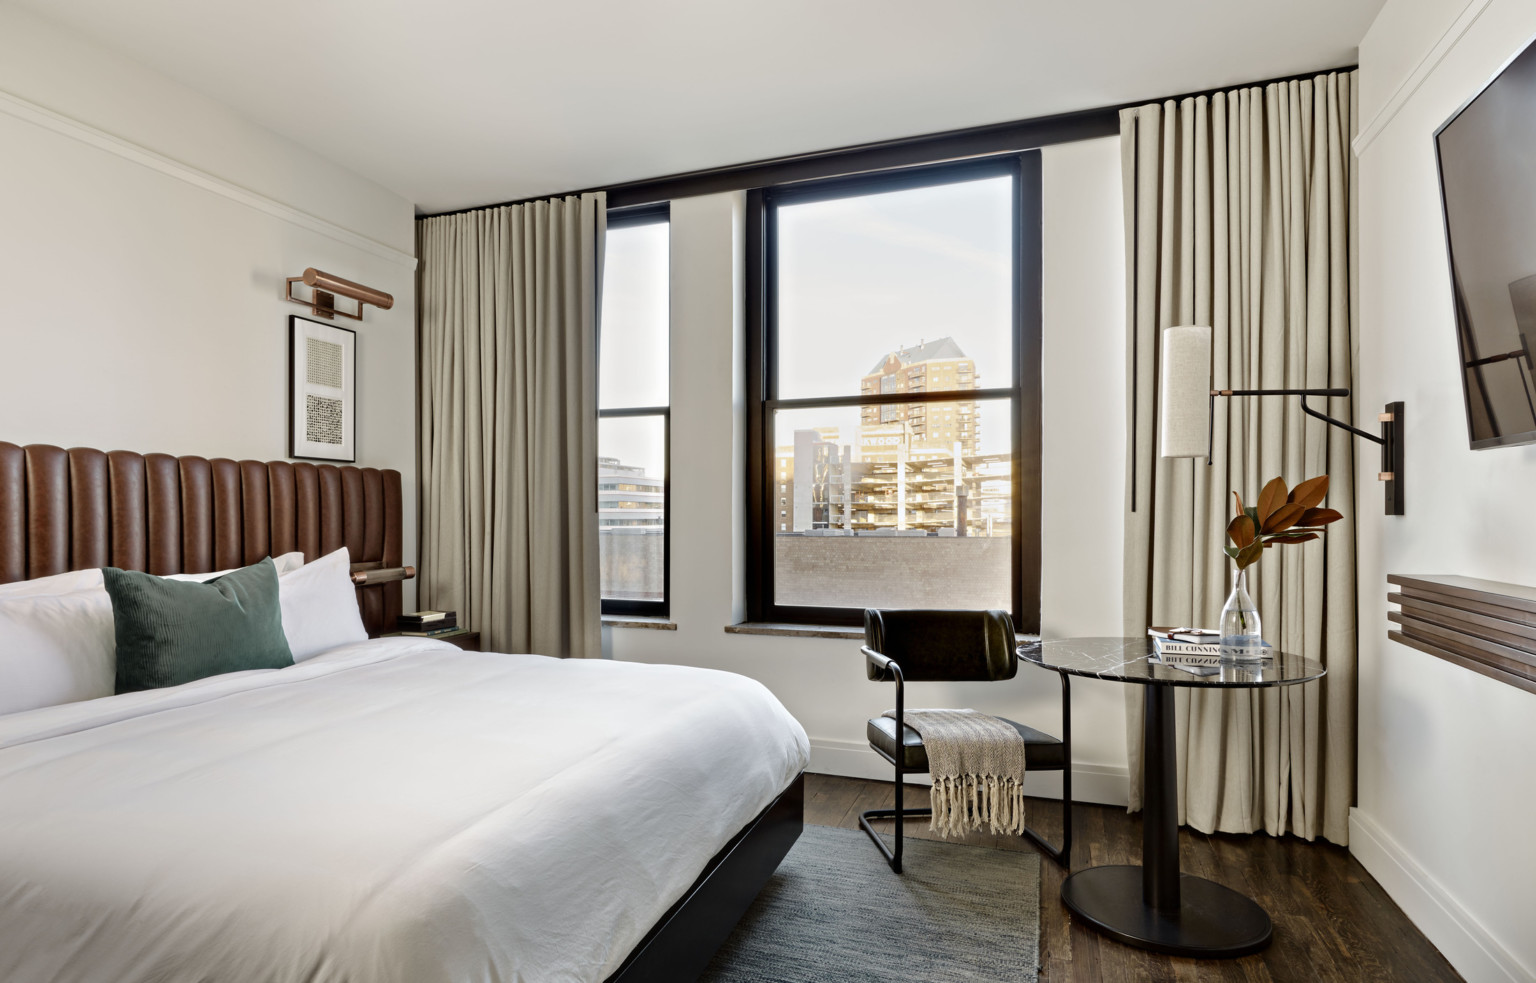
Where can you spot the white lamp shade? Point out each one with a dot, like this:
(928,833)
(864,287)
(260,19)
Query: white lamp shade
(1185,414)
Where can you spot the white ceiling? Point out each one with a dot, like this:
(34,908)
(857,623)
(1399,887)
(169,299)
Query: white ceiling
(466,102)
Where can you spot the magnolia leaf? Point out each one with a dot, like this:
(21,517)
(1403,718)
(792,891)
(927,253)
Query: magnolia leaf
(1319,517)
(1231,551)
(1239,499)
(1293,538)
(1282,519)
(1242,530)
(1310,493)
(1271,498)
(1250,554)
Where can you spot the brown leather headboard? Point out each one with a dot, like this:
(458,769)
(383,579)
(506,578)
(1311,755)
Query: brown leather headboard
(70,510)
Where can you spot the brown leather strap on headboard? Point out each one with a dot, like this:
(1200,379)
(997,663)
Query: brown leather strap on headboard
(70,510)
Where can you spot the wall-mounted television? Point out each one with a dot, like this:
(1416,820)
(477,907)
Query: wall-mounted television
(1487,154)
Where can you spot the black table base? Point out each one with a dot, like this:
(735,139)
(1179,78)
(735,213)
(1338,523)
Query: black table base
(1210,922)
(1155,906)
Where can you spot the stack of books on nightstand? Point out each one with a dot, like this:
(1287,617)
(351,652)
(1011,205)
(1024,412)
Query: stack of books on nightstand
(428,623)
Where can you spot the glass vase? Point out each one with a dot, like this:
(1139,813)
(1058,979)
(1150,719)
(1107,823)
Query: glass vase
(1242,639)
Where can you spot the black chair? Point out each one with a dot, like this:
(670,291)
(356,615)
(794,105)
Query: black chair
(953,646)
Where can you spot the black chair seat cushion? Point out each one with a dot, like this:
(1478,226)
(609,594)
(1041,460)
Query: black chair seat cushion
(1042,752)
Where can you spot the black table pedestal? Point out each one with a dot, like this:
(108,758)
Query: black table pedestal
(1211,921)
(1154,906)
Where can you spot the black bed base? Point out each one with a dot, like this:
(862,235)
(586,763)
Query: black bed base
(686,937)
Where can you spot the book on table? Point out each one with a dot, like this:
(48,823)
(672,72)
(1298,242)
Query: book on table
(1162,648)
(423,617)
(1195,635)
(432,632)
(1203,658)
(418,622)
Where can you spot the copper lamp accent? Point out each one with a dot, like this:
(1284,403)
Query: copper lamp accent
(323,290)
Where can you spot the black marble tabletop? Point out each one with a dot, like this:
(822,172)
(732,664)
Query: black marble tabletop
(1127,660)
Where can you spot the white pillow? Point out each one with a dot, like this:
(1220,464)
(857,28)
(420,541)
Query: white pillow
(59,583)
(56,648)
(319,605)
(59,645)
(66,583)
(286,563)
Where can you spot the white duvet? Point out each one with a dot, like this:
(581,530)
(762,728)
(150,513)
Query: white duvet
(395,810)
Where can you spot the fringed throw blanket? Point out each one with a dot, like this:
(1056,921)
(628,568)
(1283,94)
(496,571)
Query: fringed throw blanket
(977,764)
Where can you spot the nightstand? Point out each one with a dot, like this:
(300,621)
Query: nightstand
(465,639)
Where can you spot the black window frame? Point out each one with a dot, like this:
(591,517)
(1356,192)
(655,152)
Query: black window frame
(620,218)
(761,350)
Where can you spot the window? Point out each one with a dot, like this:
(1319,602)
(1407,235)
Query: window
(894,361)
(634,418)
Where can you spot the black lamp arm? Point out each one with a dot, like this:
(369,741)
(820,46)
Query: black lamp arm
(1390,441)
(1303,393)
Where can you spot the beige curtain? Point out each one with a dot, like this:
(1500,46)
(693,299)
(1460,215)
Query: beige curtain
(508,303)
(1239,214)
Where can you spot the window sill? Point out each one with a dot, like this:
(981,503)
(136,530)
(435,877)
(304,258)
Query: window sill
(795,631)
(637,621)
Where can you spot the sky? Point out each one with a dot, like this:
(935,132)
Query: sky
(858,277)
(632,353)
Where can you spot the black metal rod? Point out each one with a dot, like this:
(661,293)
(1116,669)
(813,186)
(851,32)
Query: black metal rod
(901,754)
(1303,393)
(1339,423)
(1066,772)
(1279,392)
(1490,359)
(1159,803)
(889,669)
(991,138)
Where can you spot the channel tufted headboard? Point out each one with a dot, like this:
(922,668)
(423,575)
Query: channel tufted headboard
(73,509)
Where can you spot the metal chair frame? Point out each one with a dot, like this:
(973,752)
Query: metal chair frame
(1062,856)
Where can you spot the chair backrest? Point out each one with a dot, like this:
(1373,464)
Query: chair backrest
(943,646)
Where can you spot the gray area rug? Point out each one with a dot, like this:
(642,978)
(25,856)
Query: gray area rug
(835,913)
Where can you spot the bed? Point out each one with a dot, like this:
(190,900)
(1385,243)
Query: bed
(394,809)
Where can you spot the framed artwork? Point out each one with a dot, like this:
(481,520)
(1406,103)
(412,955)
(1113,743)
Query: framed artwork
(322,391)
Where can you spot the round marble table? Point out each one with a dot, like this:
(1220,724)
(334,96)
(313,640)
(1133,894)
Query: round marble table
(1153,905)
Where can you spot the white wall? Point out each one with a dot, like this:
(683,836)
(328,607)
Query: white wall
(146,235)
(822,681)
(1446,790)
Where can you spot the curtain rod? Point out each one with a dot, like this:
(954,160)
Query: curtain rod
(976,141)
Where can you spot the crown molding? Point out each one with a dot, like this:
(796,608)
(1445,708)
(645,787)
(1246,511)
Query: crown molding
(1414,79)
(30,112)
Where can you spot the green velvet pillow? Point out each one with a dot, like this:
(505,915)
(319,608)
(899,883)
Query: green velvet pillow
(171,632)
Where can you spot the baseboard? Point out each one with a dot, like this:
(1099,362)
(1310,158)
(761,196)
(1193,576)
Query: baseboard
(848,759)
(1459,936)
(1102,784)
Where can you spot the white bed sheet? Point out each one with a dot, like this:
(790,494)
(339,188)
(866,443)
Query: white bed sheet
(395,810)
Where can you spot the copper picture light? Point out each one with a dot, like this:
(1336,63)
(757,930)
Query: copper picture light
(323,291)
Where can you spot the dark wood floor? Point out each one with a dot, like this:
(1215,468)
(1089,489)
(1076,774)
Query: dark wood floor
(1332,920)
